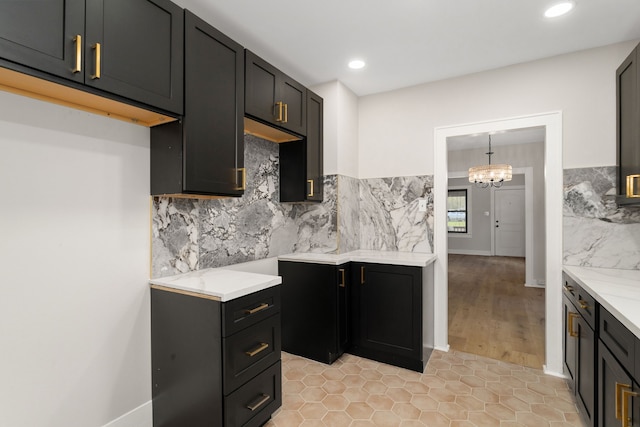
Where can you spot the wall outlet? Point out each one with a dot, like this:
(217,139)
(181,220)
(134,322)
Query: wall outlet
(422,205)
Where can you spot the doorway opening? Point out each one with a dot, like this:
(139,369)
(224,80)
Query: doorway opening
(552,257)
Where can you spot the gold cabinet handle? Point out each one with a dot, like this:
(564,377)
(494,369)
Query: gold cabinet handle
(618,400)
(627,420)
(286,113)
(631,186)
(243,179)
(342,281)
(262,399)
(96,47)
(568,288)
(78,41)
(583,304)
(279,105)
(570,327)
(262,347)
(261,307)
(362,275)
(310,181)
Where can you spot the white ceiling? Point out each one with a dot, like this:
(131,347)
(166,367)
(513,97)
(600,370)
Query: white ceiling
(407,42)
(510,137)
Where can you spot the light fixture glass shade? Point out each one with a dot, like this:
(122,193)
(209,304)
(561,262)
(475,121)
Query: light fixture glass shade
(490,175)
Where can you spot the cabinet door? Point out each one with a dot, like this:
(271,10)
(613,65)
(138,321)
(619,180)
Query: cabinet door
(134,48)
(614,387)
(585,375)
(628,121)
(314,147)
(390,312)
(569,340)
(310,310)
(42,35)
(294,97)
(260,88)
(214,110)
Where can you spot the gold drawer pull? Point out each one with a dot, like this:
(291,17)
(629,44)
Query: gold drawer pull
(362,275)
(243,179)
(286,113)
(583,304)
(261,307)
(568,288)
(263,399)
(570,324)
(262,347)
(279,105)
(342,282)
(627,421)
(78,41)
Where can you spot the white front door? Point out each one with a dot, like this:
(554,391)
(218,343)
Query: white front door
(509,225)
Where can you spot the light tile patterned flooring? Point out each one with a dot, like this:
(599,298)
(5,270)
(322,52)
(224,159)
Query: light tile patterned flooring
(456,389)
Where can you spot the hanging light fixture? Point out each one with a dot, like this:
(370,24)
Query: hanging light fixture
(490,175)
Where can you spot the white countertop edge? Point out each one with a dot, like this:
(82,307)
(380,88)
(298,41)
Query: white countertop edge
(616,290)
(411,259)
(223,284)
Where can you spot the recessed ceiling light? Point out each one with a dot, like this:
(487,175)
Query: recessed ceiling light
(356,64)
(559,9)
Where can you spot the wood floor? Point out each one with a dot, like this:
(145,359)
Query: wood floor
(492,313)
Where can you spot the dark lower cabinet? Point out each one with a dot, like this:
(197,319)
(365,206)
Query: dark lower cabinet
(129,48)
(619,403)
(214,363)
(204,153)
(579,343)
(315,309)
(387,314)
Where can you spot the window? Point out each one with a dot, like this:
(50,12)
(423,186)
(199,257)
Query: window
(457,211)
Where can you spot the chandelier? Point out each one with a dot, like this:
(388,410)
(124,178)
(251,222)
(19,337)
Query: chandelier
(490,175)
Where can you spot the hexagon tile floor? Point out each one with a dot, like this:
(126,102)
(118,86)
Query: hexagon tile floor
(456,389)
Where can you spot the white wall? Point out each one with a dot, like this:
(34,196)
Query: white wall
(396,128)
(340,129)
(74,227)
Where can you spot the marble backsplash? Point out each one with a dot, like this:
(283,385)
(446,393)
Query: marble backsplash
(192,234)
(598,232)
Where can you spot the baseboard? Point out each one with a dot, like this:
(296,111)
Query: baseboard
(444,348)
(142,416)
(553,373)
(536,284)
(469,252)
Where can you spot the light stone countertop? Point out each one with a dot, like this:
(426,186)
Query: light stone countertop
(377,257)
(616,290)
(218,283)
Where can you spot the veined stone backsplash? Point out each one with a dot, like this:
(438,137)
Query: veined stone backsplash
(598,233)
(190,234)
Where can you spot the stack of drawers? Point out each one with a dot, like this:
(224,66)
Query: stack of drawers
(215,363)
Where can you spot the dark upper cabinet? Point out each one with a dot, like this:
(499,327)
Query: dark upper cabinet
(274,98)
(134,48)
(628,129)
(129,48)
(44,35)
(387,314)
(301,162)
(204,154)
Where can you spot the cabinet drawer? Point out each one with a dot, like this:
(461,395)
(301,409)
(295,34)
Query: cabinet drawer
(250,351)
(586,306)
(243,312)
(253,403)
(619,340)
